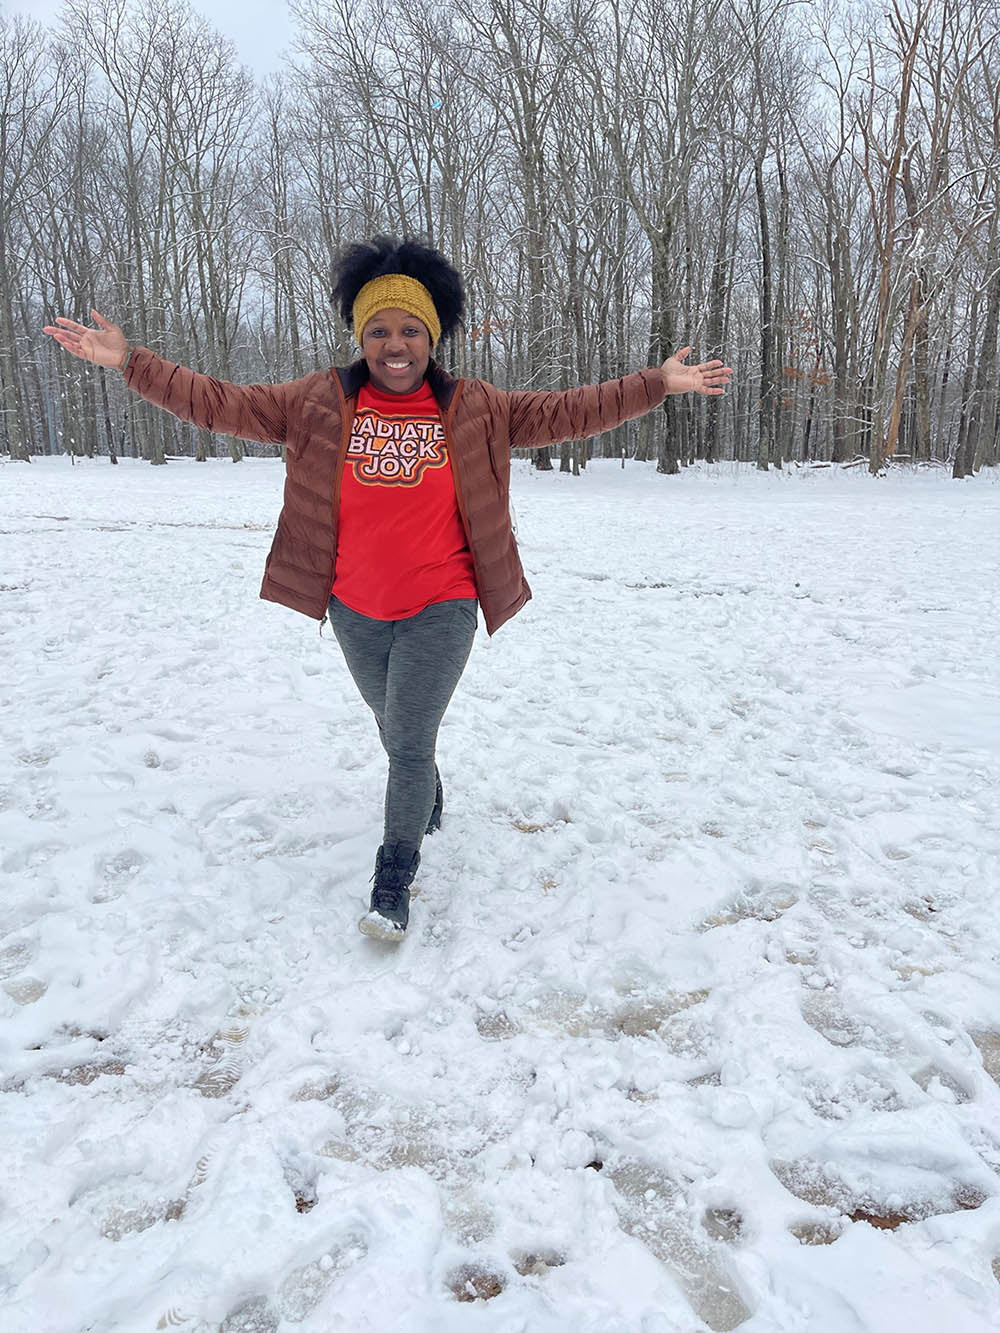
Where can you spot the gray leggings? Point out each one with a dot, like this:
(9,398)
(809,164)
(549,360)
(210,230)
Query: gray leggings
(407,671)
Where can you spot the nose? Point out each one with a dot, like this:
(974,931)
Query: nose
(395,342)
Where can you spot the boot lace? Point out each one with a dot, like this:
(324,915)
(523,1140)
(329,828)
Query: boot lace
(391,880)
(387,894)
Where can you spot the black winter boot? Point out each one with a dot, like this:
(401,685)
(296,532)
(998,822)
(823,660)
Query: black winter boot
(387,918)
(434,823)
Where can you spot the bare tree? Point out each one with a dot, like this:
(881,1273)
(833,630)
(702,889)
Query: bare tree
(33,100)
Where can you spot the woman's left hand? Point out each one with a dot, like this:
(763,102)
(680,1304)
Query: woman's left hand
(709,377)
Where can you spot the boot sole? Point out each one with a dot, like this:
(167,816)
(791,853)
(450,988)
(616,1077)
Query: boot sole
(378,927)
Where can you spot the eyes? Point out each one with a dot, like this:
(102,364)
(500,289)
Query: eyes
(380,331)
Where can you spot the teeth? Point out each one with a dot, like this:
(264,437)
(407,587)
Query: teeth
(397,365)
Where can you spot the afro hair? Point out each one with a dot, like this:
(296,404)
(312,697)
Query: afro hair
(359,263)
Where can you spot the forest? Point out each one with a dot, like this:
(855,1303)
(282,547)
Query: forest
(807,189)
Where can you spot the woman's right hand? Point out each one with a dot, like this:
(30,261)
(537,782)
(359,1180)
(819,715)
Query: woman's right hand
(105,345)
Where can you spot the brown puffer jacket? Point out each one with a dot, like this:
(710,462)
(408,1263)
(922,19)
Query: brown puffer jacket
(313,416)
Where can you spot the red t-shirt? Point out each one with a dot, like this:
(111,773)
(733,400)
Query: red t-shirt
(400,540)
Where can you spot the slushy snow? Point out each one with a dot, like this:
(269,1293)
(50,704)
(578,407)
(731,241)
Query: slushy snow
(697,1023)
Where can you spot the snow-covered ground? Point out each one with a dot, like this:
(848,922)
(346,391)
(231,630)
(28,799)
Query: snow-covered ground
(698,1020)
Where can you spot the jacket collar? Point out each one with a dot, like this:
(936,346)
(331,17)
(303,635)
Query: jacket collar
(442,384)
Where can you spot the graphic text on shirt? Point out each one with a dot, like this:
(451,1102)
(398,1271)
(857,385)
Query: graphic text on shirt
(395,450)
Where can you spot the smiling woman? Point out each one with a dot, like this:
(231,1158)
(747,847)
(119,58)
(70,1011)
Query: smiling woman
(395,524)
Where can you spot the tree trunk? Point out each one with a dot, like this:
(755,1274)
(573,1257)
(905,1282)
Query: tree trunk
(765,410)
(980,435)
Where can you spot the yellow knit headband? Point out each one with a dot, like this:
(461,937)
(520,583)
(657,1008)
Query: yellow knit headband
(398,292)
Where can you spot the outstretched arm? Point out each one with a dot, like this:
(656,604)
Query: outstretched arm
(541,418)
(256,412)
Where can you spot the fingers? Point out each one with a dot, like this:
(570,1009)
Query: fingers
(62,336)
(76,328)
(69,341)
(714,368)
(71,324)
(714,378)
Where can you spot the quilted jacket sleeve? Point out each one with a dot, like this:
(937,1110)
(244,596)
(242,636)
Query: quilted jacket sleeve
(256,412)
(537,419)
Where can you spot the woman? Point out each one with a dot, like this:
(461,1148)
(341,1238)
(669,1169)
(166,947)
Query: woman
(395,521)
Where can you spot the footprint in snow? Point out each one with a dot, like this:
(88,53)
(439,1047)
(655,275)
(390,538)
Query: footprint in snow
(475,1282)
(988,1045)
(942,1086)
(386,1137)
(38,757)
(115,872)
(495,1026)
(303,1289)
(645,1017)
(84,1075)
(573,1015)
(651,1210)
(256,1314)
(757,903)
(220,1079)
(826,1015)
(31,857)
(816,1183)
(17,956)
(121,1209)
(840,1098)
(25,990)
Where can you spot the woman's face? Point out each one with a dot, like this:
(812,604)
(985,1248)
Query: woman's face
(397,347)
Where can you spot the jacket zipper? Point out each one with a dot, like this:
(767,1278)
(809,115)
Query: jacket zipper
(456,476)
(346,425)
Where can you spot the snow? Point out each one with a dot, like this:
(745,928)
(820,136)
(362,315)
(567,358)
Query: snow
(696,1024)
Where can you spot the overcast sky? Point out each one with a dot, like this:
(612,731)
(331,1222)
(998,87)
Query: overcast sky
(260,28)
